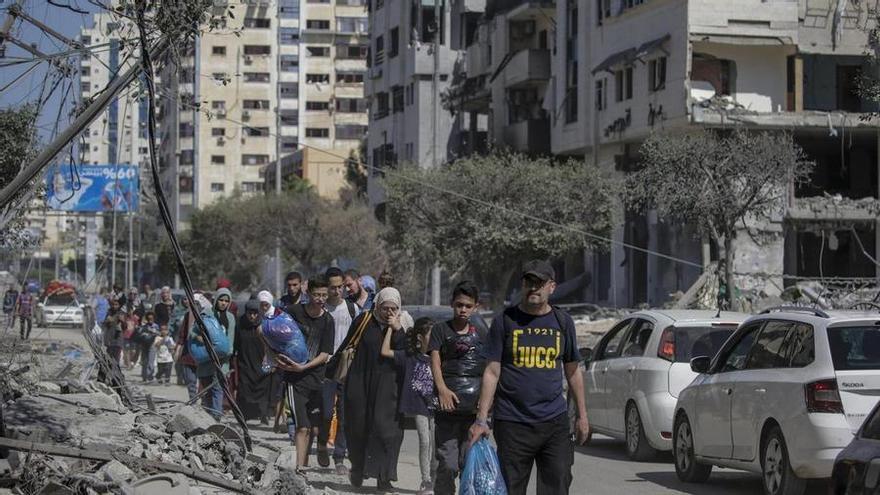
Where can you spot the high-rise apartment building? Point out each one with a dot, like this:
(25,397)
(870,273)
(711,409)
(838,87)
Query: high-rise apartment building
(411,64)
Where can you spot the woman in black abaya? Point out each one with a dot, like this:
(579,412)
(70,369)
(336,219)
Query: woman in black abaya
(254,386)
(373,427)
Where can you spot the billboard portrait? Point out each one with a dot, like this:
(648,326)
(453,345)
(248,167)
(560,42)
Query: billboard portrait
(94,188)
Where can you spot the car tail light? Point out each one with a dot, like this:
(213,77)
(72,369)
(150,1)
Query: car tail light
(822,397)
(667,345)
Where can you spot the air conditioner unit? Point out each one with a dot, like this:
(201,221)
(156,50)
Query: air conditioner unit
(248,59)
(221,112)
(221,141)
(245,114)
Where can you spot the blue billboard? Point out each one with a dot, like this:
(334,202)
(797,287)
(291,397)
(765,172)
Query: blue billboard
(93,188)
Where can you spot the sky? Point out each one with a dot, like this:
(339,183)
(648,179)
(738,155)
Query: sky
(28,88)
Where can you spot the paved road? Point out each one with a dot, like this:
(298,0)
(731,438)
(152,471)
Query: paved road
(600,468)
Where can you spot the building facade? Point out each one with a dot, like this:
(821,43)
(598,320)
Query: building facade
(626,68)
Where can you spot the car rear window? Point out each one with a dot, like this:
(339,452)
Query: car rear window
(691,342)
(871,429)
(855,348)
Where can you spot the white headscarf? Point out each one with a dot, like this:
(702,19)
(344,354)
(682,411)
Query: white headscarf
(203,302)
(386,295)
(265,296)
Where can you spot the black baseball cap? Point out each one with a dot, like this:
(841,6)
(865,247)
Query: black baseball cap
(540,269)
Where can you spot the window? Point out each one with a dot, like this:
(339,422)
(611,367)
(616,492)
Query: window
(611,344)
(317,24)
(218,105)
(691,342)
(351,25)
(801,347)
(408,151)
(288,90)
(603,10)
(381,110)
(349,77)
(289,143)
(395,40)
(289,117)
(289,63)
(624,84)
(288,9)
(186,129)
(218,159)
(379,4)
(317,1)
(218,131)
(317,132)
(255,131)
(186,157)
(255,104)
(218,187)
(259,77)
(251,187)
(351,52)
(85,71)
(317,105)
(288,35)
(638,338)
(735,359)
(571,62)
(254,159)
(352,3)
(318,51)
(769,350)
(85,87)
(317,78)
(257,49)
(350,131)
(855,348)
(396,99)
(256,23)
(379,56)
(601,95)
(657,74)
(351,105)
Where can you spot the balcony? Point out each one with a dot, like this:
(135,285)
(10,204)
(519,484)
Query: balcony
(746,22)
(527,67)
(532,136)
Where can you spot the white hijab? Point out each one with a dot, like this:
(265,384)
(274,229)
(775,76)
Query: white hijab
(392,295)
(265,296)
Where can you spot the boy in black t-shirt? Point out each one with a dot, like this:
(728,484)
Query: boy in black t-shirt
(305,381)
(457,363)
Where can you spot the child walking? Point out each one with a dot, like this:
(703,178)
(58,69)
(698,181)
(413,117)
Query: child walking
(417,399)
(164,348)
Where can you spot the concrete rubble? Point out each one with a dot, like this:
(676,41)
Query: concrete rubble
(63,432)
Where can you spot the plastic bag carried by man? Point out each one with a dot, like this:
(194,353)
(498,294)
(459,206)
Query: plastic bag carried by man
(482,471)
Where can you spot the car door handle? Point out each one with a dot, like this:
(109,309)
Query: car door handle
(727,391)
(761,390)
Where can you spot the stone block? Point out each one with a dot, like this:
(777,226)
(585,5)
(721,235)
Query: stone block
(116,472)
(190,421)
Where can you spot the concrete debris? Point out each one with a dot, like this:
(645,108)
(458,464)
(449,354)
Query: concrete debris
(116,472)
(190,420)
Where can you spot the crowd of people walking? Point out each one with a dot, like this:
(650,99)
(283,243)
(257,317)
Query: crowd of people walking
(370,366)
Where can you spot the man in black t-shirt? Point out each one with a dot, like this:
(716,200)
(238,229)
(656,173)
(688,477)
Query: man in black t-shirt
(531,347)
(305,381)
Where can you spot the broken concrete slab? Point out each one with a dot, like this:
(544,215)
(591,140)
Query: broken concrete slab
(190,420)
(116,472)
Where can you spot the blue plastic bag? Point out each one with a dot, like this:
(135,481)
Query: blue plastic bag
(482,471)
(284,336)
(218,337)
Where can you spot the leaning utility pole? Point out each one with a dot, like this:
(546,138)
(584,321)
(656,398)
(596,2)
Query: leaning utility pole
(435,96)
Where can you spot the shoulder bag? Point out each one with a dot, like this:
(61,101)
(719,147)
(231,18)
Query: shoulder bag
(346,356)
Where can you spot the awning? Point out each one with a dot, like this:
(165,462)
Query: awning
(630,55)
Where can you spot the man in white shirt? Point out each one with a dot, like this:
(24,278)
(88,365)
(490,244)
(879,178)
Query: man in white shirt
(344,312)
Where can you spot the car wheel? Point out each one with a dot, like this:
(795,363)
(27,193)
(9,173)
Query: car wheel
(637,446)
(778,477)
(686,466)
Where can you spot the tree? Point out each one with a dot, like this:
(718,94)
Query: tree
(17,145)
(488,214)
(718,181)
(356,172)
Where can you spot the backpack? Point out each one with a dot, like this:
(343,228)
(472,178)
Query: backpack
(216,333)
(352,311)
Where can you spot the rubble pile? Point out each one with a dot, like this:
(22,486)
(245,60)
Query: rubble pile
(62,432)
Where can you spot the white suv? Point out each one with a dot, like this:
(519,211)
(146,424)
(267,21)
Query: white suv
(638,368)
(783,396)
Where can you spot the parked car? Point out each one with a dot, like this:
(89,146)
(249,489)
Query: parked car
(636,371)
(59,309)
(857,467)
(782,398)
(443,313)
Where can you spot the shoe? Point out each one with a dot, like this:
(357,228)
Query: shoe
(384,487)
(427,488)
(341,469)
(356,479)
(264,421)
(301,470)
(323,457)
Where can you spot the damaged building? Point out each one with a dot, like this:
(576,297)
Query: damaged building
(622,69)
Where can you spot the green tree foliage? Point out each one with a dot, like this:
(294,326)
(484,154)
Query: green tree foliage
(233,237)
(718,181)
(431,217)
(17,145)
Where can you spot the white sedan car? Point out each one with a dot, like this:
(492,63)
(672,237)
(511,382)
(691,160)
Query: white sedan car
(782,398)
(59,309)
(635,373)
